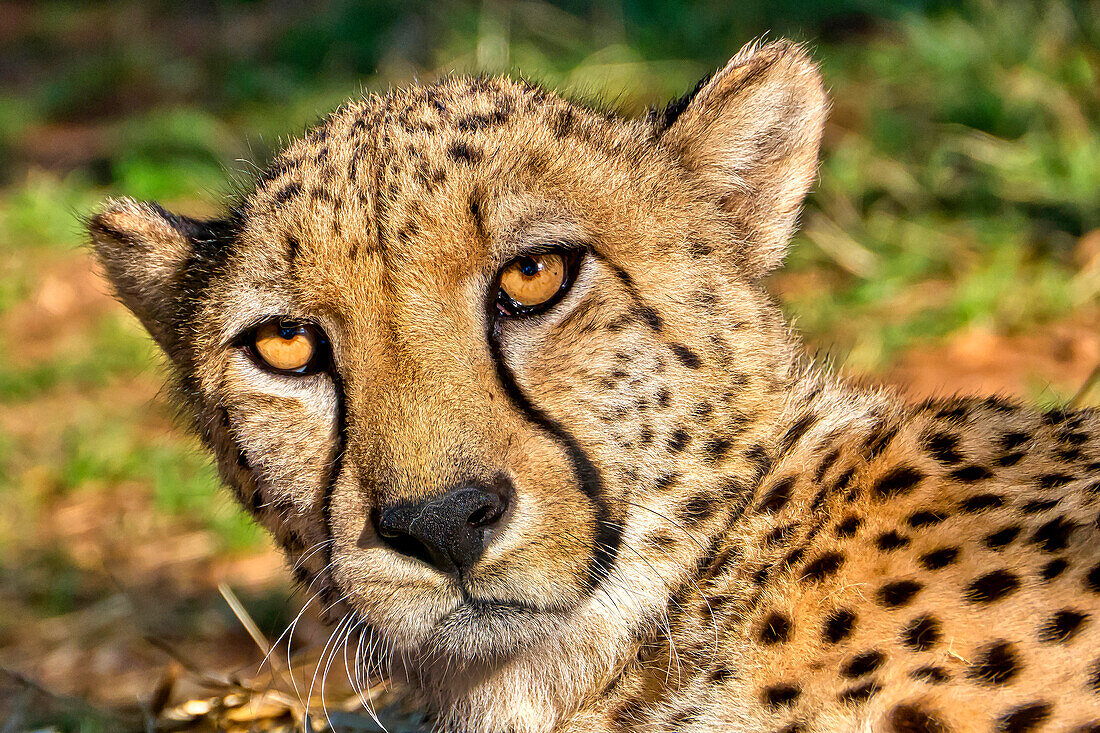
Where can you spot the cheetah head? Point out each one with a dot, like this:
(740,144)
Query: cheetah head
(494,368)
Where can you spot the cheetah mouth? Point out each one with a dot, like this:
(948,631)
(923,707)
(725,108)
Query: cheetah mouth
(483,630)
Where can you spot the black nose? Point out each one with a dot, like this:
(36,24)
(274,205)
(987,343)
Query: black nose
(449,532)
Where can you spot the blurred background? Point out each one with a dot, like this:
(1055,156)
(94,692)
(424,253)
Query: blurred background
(953,243)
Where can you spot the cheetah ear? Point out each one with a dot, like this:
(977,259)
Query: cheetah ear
(146,253)
(752,131)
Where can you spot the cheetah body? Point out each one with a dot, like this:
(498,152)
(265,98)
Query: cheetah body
(706,531)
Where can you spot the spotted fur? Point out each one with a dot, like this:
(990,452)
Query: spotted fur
(708,532)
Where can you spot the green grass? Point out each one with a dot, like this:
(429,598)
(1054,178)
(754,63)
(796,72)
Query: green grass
(112,349)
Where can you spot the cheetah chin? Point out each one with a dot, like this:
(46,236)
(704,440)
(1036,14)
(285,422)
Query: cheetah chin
(499,373)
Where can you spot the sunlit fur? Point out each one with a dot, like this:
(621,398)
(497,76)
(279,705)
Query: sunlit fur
(699,537)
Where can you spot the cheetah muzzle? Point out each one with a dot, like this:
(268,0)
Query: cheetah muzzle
(499,373)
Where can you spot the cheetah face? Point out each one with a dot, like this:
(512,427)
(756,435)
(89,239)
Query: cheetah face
(478,357)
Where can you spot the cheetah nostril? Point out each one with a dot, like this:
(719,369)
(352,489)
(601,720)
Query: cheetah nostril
(490,513)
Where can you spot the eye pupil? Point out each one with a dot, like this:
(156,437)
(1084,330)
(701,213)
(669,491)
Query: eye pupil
(528,266)
(287,332)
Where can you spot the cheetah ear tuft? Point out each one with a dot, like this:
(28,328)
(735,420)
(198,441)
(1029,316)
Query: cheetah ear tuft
(145,252)
(752,132)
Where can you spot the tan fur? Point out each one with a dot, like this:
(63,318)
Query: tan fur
(787,551)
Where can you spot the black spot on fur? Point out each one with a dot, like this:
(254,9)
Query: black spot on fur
(1070,437)
(971,474)
(697,509)
(1038,505)
(891,540)
(702,411)
(924,518)
(1054,535)
(1092,580)
(794,556)
(1010,441)
(1056,416)
(911,718)
(953,410)
(1024,719)
(897,481)
(715,450)
(678,440)
(757,457)
(826,463)
(944,447)
(698,248)
(795,432)
(1001,538)
(461,152)
(1053,569)
(775,629)
(648,315)
(860,693)
(838,625)
(563,124)
(931,674)
(1062,626)
(1068,455)
(981,502)
(842,481)
(663,397)
(760,575)
(898,593)
(290,191)
(780,535)
(776,496)
(1008,459)
(863,663)
(992,586)
(848,526)
(721,673)
(482,120)
(939,558)
(781,694)
(686,356)
(664,482)
(996,664)
(1094,678)
(824,566)
(1054,480)
(921,633)
(293,249)
(879,439)
(795,727)
(475,207)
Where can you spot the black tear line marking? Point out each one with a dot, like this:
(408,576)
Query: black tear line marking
(608,532)
(336,465)
(641,310)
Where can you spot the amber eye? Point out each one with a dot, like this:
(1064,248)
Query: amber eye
(531,281)
(287,346)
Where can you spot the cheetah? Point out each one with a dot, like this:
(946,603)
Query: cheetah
(499,373)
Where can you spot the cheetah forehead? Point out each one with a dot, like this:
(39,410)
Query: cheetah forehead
(378,169)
